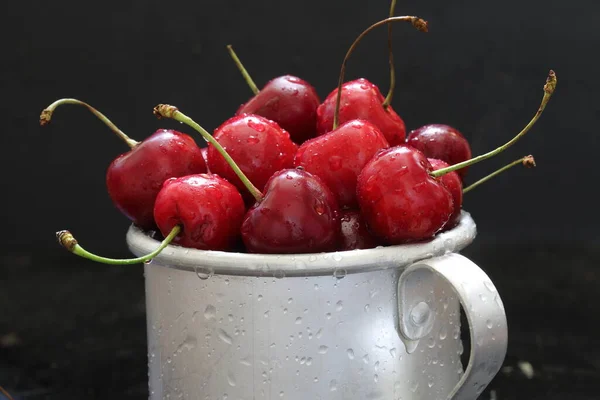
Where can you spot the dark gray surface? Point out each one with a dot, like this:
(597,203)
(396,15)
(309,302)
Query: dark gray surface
(77,330)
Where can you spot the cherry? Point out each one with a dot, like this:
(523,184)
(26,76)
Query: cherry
(398,198)
(207,207)
(338,157)
(298,214)
(453,183)
(257,145)
(361,99)
(441,142)
(288,100)
(134,178)
(354,232)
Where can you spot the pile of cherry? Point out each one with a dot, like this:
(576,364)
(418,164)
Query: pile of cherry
(291,174)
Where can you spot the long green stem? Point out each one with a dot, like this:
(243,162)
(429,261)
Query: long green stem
(167,111)
(245,73)
(417,22)
(66,239)
(549,88)
(46,116)
(390,94)
(527,161)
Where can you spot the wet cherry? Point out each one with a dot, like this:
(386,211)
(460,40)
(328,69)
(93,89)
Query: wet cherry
(398,198)
(207,207)
(257,145)
(442,142)
(354,232)
(453,183)
(362,99)
(338,157)
(288,100)
(298,214)
(134,178)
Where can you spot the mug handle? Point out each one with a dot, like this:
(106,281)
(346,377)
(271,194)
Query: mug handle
(483,308)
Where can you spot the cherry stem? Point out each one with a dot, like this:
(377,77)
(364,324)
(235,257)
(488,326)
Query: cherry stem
(5,393)
(417,22)
(390,94)
(46,116)
(549,88)
(245,73)
(527,161)
(68,241)
(168,111)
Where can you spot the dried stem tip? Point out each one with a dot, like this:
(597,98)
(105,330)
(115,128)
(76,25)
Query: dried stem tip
(420,24)
(45,117)
(528,161)
(66,240)
(165,110)
(550,85)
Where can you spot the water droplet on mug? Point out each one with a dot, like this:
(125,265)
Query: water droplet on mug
(350,353)
(333,385)
(323,349)
(489,324)
(337,257)
(339,273)
(210,312)
(339,305)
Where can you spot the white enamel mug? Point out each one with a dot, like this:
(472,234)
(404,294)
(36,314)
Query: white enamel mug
(380,323)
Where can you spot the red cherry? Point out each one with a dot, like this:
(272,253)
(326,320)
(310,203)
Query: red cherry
(257,145)
(134,179)
(362,99)
(298,214)
(453,183)
(338,157)
(442,142)
(289,101)
(398,198)
(354,232)
(209,209)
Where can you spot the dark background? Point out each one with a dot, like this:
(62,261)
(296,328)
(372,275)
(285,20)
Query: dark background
(74,329)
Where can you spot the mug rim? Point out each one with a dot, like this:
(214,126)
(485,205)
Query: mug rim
(338,263)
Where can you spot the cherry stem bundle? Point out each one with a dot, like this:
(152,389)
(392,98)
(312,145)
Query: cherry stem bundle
(527,161)
(245,73)
(68,241)
(418,23)
(46,116)
(549,88)
(168,111)
(390,94)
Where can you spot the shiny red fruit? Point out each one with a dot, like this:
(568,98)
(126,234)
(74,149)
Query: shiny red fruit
(209,209)
(257,145)
(354,232)
(298,214)
(398,198)
(289,101)
(442,142)
(362,99)
(453,183)
(338,157)
(135,178)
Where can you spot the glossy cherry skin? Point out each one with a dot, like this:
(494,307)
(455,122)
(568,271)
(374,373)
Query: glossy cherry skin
(289,101)
(442,142)
(354,232)
(298,214)
(257,145)
(204,151)
(338,157)
(362,99)
(209,209)
(398,198)
(135,178)
(453,183)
